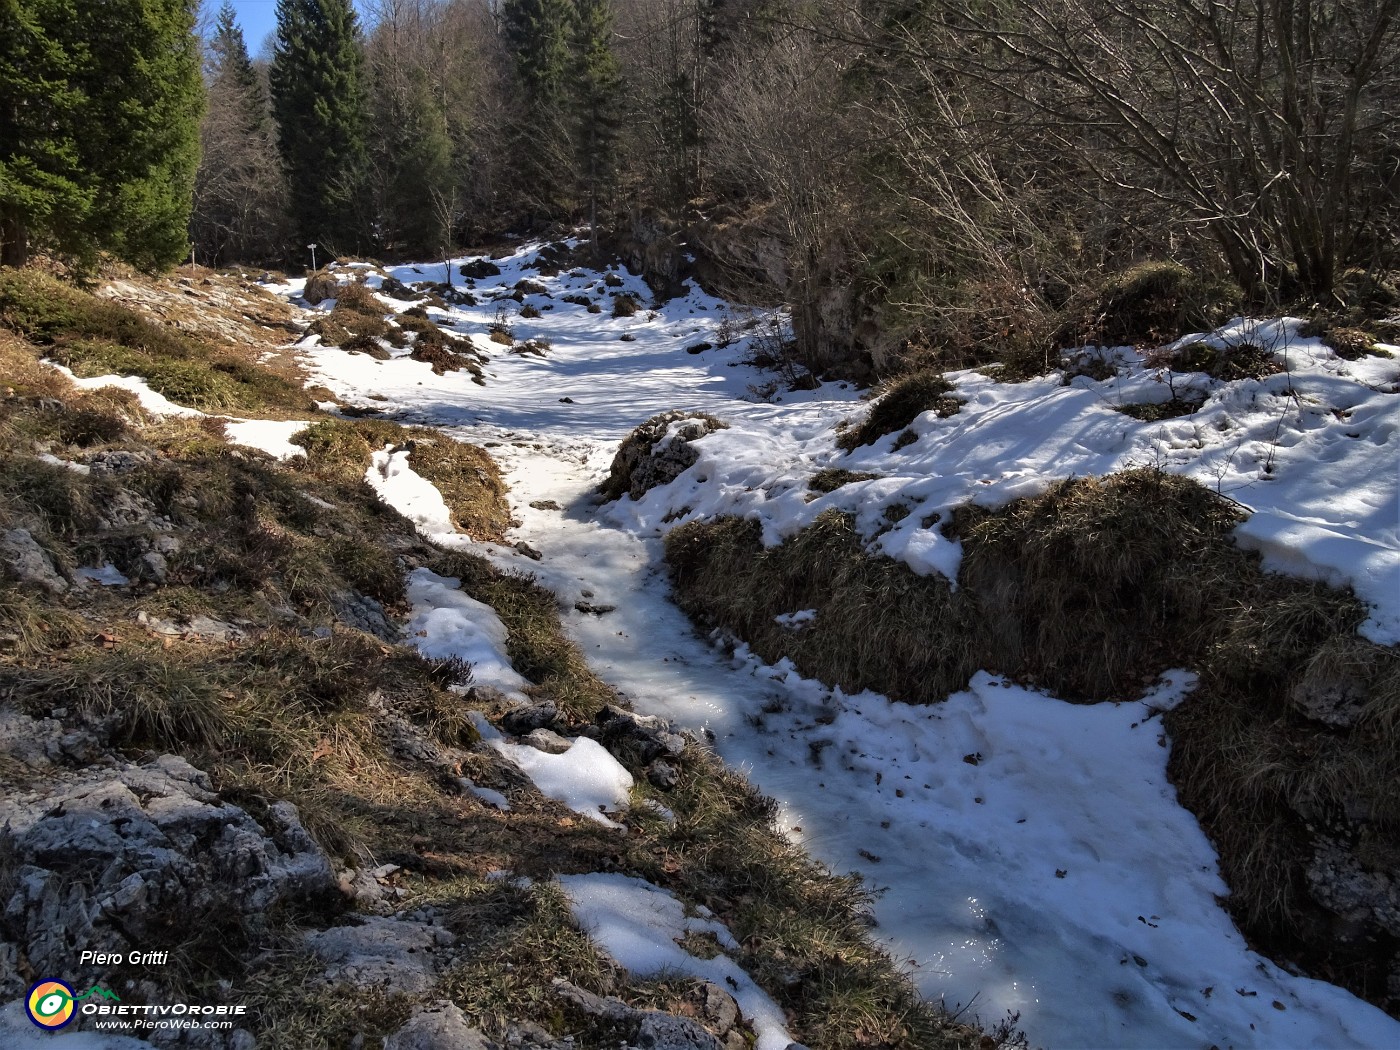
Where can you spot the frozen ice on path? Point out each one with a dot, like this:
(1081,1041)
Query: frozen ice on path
(273,436)
(409,493)
(445,623)
(639,925)
(978,905)
(586,778)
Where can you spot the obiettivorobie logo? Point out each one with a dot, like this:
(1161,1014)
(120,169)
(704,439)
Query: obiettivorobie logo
(52,1004)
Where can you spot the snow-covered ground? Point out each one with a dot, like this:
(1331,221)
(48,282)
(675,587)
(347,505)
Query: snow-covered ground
(1031,853)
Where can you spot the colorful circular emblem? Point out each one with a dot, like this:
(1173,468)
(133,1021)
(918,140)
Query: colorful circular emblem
(50,1004)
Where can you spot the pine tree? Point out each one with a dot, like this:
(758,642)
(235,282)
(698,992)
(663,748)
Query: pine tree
(41,181)
(239,190)
(99,119)
(319,101)
(597,84)
(537,33)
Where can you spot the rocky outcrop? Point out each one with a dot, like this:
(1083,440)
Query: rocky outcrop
(657,453)
(29,563)
(393,955)
(117,857)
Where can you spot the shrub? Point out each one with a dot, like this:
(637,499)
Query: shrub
(624,305)
(529,311)
(1152,302)
(479,269)
(905,400)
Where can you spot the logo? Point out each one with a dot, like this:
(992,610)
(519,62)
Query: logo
(50,1004)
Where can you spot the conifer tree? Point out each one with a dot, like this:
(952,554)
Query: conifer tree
(319,101)
(597,83)
(537,33)
(99,121)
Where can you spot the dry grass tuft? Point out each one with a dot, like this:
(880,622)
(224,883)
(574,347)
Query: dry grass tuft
(1091,590)
(466,476)
(906,399)
(95,337)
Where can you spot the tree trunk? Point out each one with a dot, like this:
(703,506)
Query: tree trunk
(14,240)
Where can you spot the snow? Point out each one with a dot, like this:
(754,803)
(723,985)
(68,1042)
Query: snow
(638,925)
(18,1032)
(409,493)
(150,400)
(446,622)
(969,893)
(273,436)
(1259,442)
(66,464)
(796,621)
(586,778)
(106,574)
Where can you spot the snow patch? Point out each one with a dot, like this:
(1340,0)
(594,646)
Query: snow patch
(446,622)
(586,778)
(273,436)
(639,925)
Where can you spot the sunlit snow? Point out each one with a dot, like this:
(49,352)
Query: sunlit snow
(1031,855)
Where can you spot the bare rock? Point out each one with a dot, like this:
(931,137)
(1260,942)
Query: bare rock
(653,737)
(662,1031)
(29,563)
(548,741)
(643,1029)
(657,452)
(524,720)
(663,774)
(364,613)
(438,1025)
(112,858)
(388,954)
(1364,899)
(117,461)
(594,609)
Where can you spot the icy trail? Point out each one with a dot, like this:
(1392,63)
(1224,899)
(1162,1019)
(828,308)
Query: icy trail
(1031,853)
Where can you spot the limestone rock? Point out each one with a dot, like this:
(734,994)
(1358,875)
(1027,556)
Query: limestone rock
(438,1026)
(111,858)
(29,563)
(657,452)
(389,954)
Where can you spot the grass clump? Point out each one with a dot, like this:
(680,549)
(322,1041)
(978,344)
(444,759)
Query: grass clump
(357,318)
(1152,302)
(833,478)
(905,400)
(1092,590)
(466,476)
(1157,411)
(624,305)
(94,337)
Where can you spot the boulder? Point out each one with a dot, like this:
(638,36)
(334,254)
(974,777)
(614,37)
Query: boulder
(29,563)
(120,857)
(657,452)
